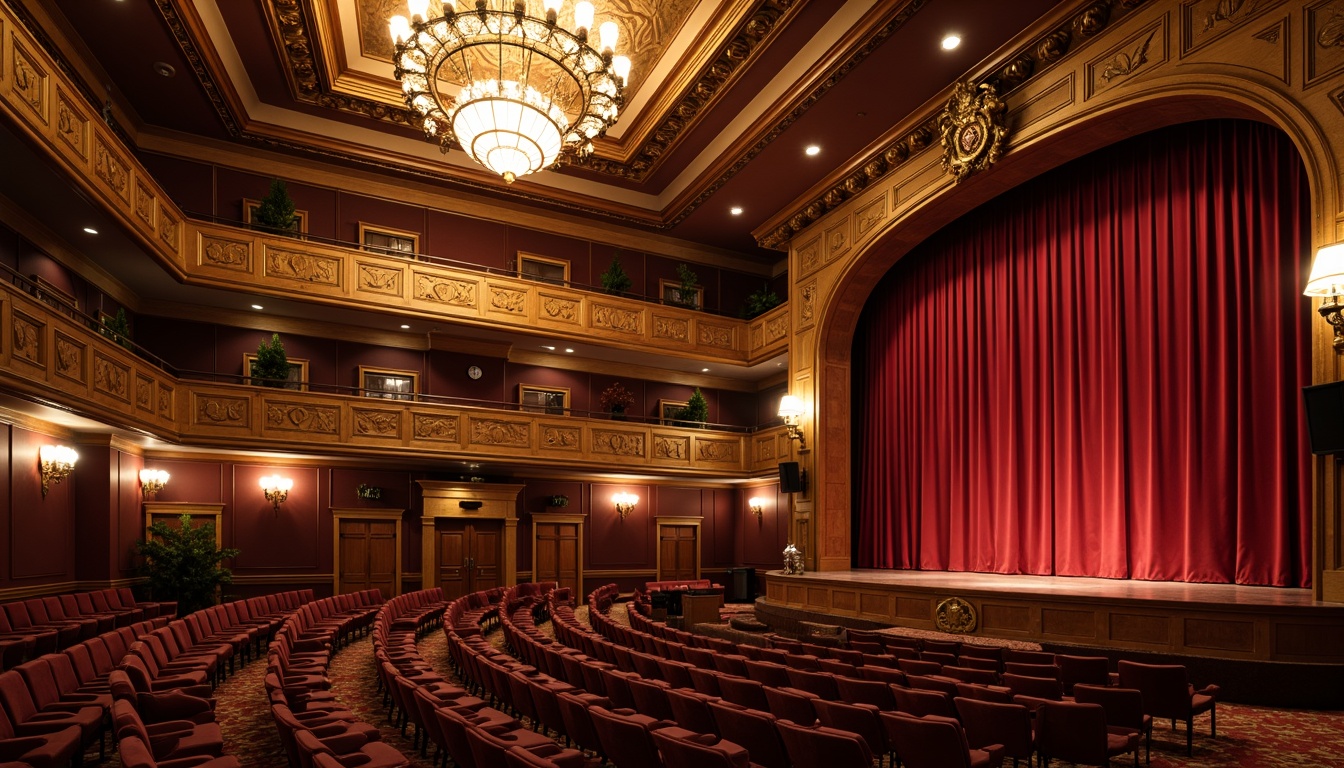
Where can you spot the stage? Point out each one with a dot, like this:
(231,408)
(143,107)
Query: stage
(1222,621)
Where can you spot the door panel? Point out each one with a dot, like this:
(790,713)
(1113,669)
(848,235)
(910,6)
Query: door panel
(469,555)
(382,557)
(486,555)
(354,556)
(452,554)
(676,549)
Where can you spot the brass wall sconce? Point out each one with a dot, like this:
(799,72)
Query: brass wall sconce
(1327,280)
(757,506)
(58,461)
(791,410)
(276,489)
(625,503)
(152,481)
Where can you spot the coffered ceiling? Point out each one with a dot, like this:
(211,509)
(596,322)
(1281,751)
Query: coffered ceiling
(723,96)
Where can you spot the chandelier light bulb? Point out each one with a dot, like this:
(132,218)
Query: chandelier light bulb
(583,18)
(400,29)
(419,9)
(552,9)
(608,34)
(621,66)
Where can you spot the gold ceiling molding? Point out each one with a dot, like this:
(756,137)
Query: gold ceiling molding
(852,178)
(186,27)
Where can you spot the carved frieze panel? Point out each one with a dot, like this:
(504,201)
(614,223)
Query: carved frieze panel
(302,267)
(443,290)
(776,328)
(1204,21)
(220,411)
(714,335)
(370,422)
(807,305)
(871,215)
(1138,53)
(430,426)
(501,432)
(507,300)
(973,126)
(558,437)
(766,448)
(375,278)
(144,393)
(70,358)
(757,336)
(165,401)
(302,417)
(559,309)
(26,339)
(111,377)
(809,256)
(836,239)
(672,328)
(110,169)
(168,228)
(1325,41)
(71,126)
(612,443)
(619,319)
(671,447)
(28,81)
(717,451)
(144,203)
(223,253)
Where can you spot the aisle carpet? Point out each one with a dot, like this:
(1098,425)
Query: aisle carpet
(1248,737)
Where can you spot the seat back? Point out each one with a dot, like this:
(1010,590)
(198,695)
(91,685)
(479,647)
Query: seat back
(767,673)
(1035,687)
(1123,706)
(918,702)
(872,692)
(705,681)
(651,698)
(690,709)
(821,747)
(854,718)
(753,730)
(1088,670)
(682,750)
(791,704)
(747,693)
(988,722)
(820,683)
(1165,687)
(927,742)
(578,722)
(1072,731)
(624,738)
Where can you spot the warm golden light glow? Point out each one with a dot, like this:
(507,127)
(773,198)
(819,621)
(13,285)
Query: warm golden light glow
(276,489)
(152,481)
(1327,279)
(791,410)
(625,503)
(757,506)
(57,462)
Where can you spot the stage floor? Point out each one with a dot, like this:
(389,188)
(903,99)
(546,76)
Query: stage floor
(1211,620)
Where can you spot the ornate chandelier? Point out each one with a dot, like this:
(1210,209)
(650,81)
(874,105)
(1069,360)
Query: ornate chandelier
(529,92)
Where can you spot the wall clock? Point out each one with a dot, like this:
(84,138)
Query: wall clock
(474,371)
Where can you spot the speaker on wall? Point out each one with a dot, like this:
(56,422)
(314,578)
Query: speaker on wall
(1325,417)
(790,478)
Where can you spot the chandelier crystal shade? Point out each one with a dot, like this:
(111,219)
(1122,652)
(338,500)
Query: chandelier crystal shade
(517,93)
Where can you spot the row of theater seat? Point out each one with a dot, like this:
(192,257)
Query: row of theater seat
(1033,681)
(38,625)
(316,730)
(54,706)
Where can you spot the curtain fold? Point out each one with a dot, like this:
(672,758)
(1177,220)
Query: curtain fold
(1099,373)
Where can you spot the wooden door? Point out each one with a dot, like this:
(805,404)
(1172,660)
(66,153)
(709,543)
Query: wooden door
(677,550)
(468,555)
(556,554)
(368,556)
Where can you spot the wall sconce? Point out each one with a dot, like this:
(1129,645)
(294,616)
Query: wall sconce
(1327,279)
(625,503)
(58,461)
(152,481)
(757,506)
(276,489)
(791,410)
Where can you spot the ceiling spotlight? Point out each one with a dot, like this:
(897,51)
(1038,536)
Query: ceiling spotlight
(256,306)
(91,230)
(812,150)
(951,41)
(164,69)
(736,210)
(704,370)
(551,347)
(405,327)
(570,351)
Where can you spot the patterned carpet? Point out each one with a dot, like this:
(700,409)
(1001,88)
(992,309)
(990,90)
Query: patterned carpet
(1248,737)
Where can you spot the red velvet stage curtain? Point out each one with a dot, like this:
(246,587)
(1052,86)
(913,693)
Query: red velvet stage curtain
(1099,373)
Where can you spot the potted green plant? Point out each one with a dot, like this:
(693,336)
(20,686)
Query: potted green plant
(276,211)
(117,328)
(696,409)
(616,400)
(183,563)
(615,280)
(688,293)
(760,302)
(370,492)
(557,501)
(271,368)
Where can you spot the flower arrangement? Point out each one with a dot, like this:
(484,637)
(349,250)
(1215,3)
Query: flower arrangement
(558,500)
(616,398)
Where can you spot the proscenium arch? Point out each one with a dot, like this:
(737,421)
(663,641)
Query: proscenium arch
(1162,102)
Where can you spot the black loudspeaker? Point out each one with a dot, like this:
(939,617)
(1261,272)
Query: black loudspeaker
(1325,417)
(790,479)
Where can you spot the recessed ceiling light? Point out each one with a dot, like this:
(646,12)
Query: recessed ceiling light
(91,230)
(812,150)
(704,370)
(570,351)
(256,306)
(736,210)
(164,69)
(951,41)
(548,346)
(405,327)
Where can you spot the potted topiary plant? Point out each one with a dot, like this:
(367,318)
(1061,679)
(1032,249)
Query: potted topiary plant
(271,368)
(696,410)
(183,563)
(276,212)
(688,293)
(557,502)
(760,302)
(615,400)
(118,328)
(614,280)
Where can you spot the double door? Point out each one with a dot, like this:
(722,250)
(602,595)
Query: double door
(469,554)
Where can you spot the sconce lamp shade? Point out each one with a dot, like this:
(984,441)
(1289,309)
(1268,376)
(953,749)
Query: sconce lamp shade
(757,505)
(625,503)
(152,481)
(276,489)
(790,409)
(57,462)
(1327,272)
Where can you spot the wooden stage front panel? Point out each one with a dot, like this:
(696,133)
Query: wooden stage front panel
(1211,620)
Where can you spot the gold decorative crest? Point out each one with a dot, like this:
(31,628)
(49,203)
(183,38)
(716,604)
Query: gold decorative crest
(955,615)
(973,126)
